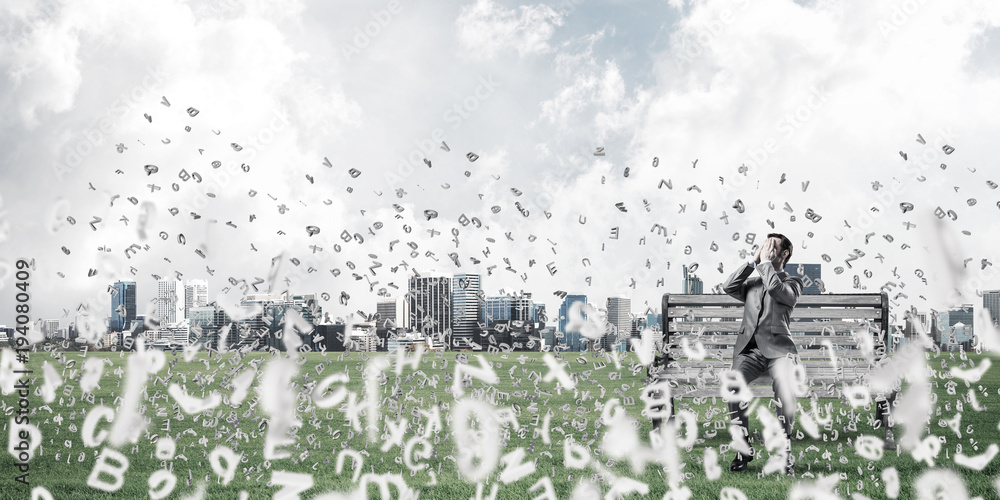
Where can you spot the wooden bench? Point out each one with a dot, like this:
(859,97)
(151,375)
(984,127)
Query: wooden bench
(818,323)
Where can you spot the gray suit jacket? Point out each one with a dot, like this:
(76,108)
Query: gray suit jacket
(777,293)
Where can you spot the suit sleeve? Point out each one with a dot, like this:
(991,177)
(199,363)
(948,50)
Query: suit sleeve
(734,284)
(786,292)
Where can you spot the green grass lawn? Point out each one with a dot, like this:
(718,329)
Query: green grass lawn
(64,464)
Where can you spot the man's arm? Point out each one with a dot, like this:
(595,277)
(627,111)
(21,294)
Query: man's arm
(734,284)
(786,292)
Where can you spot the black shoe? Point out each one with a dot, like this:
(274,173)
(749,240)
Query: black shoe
(741,461)
(890,441)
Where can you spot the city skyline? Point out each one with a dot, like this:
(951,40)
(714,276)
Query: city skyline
(463,290)
(805,270)
(808,270)
(949,328)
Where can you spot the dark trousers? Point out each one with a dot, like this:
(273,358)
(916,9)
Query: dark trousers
(752,364)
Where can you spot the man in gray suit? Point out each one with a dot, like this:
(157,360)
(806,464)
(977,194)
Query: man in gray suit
(764,344)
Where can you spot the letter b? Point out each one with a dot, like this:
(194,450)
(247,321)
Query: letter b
(103,468)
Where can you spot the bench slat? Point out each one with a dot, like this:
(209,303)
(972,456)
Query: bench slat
(807,355)
(734,326)
(798,312)
(799,340)
(707,370)
(765,381)
(872,300)
(758,392)
(841,312)
(811,367)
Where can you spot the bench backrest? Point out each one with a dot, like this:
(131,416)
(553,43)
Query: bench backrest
(818,323)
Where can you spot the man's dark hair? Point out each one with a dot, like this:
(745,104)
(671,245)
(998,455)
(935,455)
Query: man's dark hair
(786,244)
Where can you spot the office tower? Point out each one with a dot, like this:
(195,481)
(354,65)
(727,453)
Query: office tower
(655,321)
(430,304)
(991,302)
(549,336)
(49,327)
(386,310)
(331,337)
(195,295)
(397,310)
(638,324)
(122,306)
(955,327)
(692,283)
(539,315)
(262,328)
(811,274)
(923,319)
(465,292)
(522,308)
(207,324)
(619,316)
(111,339)
(506,308)
(169,301)
(497,309)
(570,339)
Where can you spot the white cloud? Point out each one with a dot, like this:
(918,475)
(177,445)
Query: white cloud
(41,67)
(730,86)
(485,29)
(836,100)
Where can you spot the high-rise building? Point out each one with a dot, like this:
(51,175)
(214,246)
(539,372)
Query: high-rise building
(430,304)
(692,283)
(991,302)
(207,324)
(523,308)
(465,293)
(50,327)
(386,311)
(169,301)
(549,336)
(572,340)
(195,295)
(505,308)
(111,339)
(496,309)
(920,318)
(331,337)
(955,327)
(539,315)
(619,318)
(639,324)
(122,306)
(811,274)
(275,309)
(655,321)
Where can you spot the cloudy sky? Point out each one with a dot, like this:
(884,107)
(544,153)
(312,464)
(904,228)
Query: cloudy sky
(322,114)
